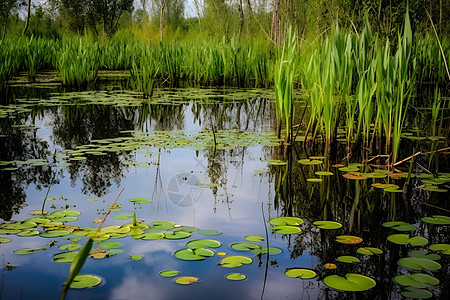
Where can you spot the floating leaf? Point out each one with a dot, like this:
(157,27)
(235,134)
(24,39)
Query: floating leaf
(169,273)
(348,239)
(109,245)
(235,261)
(444,248)
(419,263)
(71,246)
(123,216)
(4,240)
(188,254)
(327,224)
(424,254)
(354,176)
(202,243)
(293,221)
(417,280)
(352,282)
(254,238)
(411,292)
(330,266)
(286,229)
(324,173)
(308,162)
(317,180)
(369,251)
(300,273)
(140,200)
(65,257)
(136,257)
(348,259)
(404,239)
(152,236)
(176,235)
(272,250)
(437,220)
(186,280)
(24,251)
(235,276)
(245,246)
(85,281)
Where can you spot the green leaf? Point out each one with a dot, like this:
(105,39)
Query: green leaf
(209,232)
(140,200)
(352,282)
(437,220)
(188,254)
(136,257)
(235,276)
(235,261)
(281,221)
(369,251)
(85,281)
(444,248)
(419,263)
(186,280)
(411,292)
(169,273)
(109,245)
(254,238)
(243,246)
(123,216)
(24,251)
(286,229)
(417,280)
(300,273)
(202,243)
(327,224)
(348,259)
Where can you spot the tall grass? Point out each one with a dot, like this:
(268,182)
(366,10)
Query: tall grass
(285,70)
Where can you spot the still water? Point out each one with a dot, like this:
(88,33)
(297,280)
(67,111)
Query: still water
(206,159)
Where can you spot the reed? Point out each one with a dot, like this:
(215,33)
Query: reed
(285,70)
(143,72)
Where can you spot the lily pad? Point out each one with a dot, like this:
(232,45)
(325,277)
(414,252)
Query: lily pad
(109,245)
(404,239)
(411,292)
(245,246)
(169,273)
(24,251)
(348,239)
(176,235)
(254,238)
(271,251)
(85,281)
(400,226)
(235,261)
(424,254)
(65,257)
(444,248)
(348,259)
(136,257)
(419,263)
(188,254)
(140,200)
(4,240)
(202,243)
(280,221)
(286,229)
(324,173)
(437,220)
(235,276)
(209,232)
(417,280)
(327,224)
(330,266)
(186,280)
(352,282)
(300,273)
(123,216)
(369,250)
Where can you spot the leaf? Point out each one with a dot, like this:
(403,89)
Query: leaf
(419,263)
(186,280)
(254,238)
(245,246)
(202,243)
(169,273)
(327,224)
(369,251)
(209,232)
(85,281)
(24,251)
(140,200)
(348,259)
(437,220)
(123,216)
(136,257)
(300,273)
(411,292)
(281,221)
(352,282)
(286,229)
(188,254)
(235,261)
(235,276)
(348,239)
(417,280)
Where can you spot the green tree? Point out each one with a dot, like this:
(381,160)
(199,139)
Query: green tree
(6,8)
(108,13)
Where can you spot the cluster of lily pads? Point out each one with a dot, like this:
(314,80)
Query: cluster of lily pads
(415,284)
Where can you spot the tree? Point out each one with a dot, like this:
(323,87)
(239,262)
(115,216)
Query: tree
(27,18)
(109,13)
(6,8)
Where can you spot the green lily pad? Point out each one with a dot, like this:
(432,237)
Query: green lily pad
(24,251)
(254,238)
(437,220)
(186,280)
(419,263)
(136,257)
(417,280)
(286,229)
(245,246)
(177,235)
(348,259)
(316,180)
(235,276)
(169,273)
(404,239)
(411,292)
(423,254)
(163,225)
(4,240)
(369,250)
(324,173)
(55,233)
(64,257)
(149,236)
(327,224)
(71,246)
(271,251)
(400,226)
(109,245)
(85,281)
(188,254)
(281,221)
(28,233)
(444,248)
(235,261)
(300,273)
(140,200)
(352,282)
(202,243)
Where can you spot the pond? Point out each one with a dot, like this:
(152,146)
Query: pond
(204,165)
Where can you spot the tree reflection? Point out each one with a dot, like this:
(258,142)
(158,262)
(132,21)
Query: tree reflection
(20,144)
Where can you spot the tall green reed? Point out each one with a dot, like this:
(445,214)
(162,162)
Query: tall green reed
(285,70)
